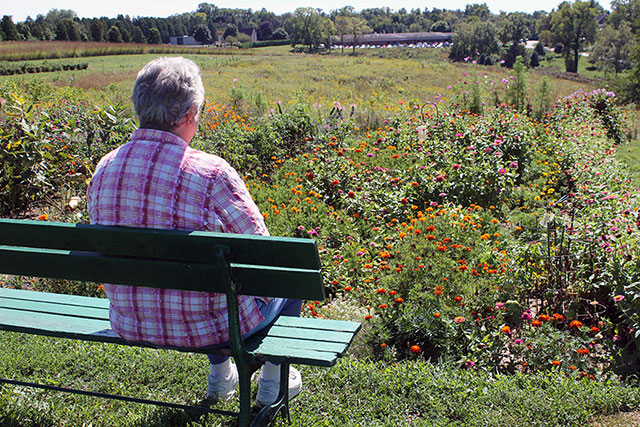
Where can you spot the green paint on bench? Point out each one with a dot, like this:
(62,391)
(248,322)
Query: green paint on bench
(200,261)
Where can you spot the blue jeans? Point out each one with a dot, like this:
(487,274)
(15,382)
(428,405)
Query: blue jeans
(271,311)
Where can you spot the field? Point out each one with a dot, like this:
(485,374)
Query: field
(482,224)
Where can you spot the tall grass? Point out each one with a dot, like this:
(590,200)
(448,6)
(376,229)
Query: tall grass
(29,50)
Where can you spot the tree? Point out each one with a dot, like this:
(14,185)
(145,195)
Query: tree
(441,27)
(612,48)
(513,32)
(9,29)
(265,30)
(98,30)
(138,36)
(230,31)
(280,34)
(154,36)
(573,25)
(308,27)
(476,41)
(114,35)
(480,10)
(202,34)
(353,25)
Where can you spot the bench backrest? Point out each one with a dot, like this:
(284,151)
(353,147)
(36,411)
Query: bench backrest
(185,260)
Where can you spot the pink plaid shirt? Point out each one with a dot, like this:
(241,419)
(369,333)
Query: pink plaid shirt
(158,181)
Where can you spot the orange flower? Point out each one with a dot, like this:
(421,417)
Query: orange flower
(347,288)
(536,323)
(383,306)
(367,317)
(505,329)
(458,299)
(575,324)
(582,351)
(544,318)
(556,363)
(415,349)
(381,291)
(43,217)
(558,317)
(594,329)
(383,345)
(437,314)
(399,300)
(392,293)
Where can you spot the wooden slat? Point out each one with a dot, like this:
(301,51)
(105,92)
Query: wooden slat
(36,307)
(194,246)
(255,280)
(324,346)
(308,334)
(26,295)
(315,323)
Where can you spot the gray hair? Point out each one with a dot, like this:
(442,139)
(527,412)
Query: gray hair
(165,91)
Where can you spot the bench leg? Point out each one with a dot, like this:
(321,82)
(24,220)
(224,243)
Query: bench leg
(244,380)
(267,415)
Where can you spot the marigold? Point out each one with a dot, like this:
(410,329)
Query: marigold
(399,300)
(544,318)
(594,329)
(381,291)
(415,349)
(437,314)
(43,217)
(392,293)
(458,299)
(505,330)
(383,306)
(558,317)
(348,289)
(575,324)
(536,323)
(583,351)
(367,317)
(556,363)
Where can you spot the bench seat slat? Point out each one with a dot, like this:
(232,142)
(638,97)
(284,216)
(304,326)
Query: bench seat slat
(257,280)
(324,324)
(36,307)
(26,295)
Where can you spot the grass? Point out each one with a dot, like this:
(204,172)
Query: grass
(353,393)
(553,61)
(275,73)
(629,154)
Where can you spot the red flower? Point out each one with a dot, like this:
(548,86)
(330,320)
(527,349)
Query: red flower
(381,291)
(399,300)
(367,317)
(415,349)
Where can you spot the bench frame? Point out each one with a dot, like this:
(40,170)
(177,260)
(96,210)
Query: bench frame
(18,238)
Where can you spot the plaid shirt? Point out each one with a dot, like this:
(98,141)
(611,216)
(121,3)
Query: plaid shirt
(158,181)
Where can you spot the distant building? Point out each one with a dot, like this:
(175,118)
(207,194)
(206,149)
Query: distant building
(183,41)
(381,39)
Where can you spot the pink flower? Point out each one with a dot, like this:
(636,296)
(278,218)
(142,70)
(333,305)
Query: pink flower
(456,166)
(502,171)
(618,298)
(459,319)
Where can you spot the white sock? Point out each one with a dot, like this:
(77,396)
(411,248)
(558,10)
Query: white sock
(221,369)
(270,371)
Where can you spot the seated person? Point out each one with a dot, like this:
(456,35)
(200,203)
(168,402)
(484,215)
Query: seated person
(157,181)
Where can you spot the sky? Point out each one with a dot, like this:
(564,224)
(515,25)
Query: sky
(163,8)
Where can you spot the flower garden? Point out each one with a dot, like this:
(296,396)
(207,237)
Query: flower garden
(501,241)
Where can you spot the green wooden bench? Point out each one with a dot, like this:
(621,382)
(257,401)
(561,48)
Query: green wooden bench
(200,261)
